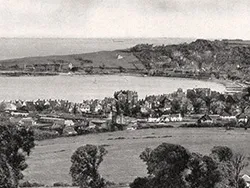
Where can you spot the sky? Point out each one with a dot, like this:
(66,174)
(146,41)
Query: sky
(125,18)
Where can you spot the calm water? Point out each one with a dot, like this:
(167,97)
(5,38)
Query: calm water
(17,47)
(77,88)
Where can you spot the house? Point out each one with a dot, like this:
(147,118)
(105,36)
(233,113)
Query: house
(28,121)
(176,117)
(50,120)
(205,119)
(165,118)
(85,108)
(127,96)
(242,119)
(101,124)
(171,118)
(69,131)
(227,117)
(247,180)
(118,119)
(22,114)
(68,123)
(119,56)
(58,126)
(97,108)
(153,120)
(7,106)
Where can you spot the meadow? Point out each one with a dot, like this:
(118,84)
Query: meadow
(49,162)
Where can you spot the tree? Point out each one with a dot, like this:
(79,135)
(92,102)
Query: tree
(141,183)
(171,166)
(238,164)
(15,144)
(175,106)
(208,101)
(231,164)
(204,172)
(197,104)
(222,153)
(85,163)
(165,165)
(6,175)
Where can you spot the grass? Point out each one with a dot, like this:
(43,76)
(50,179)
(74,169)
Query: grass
(107,58)
(50,160)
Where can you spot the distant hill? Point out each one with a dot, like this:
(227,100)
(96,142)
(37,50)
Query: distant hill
(229,59)
(221,58)
(97,62)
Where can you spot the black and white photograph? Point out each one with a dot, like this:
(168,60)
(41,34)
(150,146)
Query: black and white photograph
(125,93)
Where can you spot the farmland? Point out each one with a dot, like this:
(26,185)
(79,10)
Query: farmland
(50,160)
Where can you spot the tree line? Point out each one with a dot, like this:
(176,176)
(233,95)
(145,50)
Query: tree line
(168,165)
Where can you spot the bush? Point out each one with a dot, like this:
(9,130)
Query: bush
(140,183)
(44,134)
(29,184)
(61,184)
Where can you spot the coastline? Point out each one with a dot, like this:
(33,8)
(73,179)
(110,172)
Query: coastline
(228,84)
(231,86)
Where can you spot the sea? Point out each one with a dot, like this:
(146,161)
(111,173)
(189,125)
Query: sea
(78,88)
(11,48)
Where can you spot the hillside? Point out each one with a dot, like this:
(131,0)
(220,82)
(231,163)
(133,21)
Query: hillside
(90,63)
(228,59)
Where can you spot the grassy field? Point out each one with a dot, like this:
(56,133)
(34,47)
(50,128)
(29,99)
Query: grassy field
(50,160)
(107,58)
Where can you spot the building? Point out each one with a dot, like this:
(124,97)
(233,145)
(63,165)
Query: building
(242,119)
(247,180)
(51,120)
(27,122)
(68,123)
(127,96)
(69,131)
(171,118)
(19,114)
(85,108)
(227,117)
(205,119)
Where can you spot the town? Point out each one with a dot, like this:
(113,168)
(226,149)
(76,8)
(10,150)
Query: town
(199,107)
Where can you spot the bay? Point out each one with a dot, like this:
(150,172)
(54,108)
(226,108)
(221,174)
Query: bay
(77,88)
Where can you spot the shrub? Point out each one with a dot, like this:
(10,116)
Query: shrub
(29,184)
(61,184)
(44,134)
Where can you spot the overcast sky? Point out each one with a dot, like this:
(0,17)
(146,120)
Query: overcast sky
(125,18)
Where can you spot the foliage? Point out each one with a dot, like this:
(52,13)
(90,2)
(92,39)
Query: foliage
(204,172)
(15,144)
(171,166)
(165,164)
(141,183)
(231,164)
(61,184)
(218,55)
(222,153)
(30,184)
(238,164)
(85,163)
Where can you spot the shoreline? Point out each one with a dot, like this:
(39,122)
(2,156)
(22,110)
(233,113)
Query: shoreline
(230,86)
